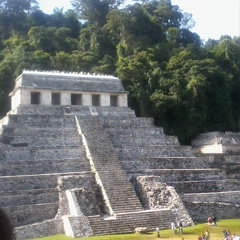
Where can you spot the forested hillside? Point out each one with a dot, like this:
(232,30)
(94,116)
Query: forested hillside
(186,85)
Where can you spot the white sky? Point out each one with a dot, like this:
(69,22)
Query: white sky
(213,17)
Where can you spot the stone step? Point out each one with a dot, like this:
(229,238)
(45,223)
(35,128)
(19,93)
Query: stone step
(103,157)
(167,175)
(154,152)
(29,214)
(135,131)
(28,197)
(205,186)
(127,222)
(41,120)
(54,110)
(12,168)
(41,153)
(12,131)
(31,182)
(38,141)
(127,122)
(72,109)
(143,141)
(115,112)
(166,163)
(224,197)
(31,231)
(120,192)
(110,114)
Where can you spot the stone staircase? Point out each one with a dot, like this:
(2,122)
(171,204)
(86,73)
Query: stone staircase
(127,222)
(119,191)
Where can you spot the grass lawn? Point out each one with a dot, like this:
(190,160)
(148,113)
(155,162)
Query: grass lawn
(189,233)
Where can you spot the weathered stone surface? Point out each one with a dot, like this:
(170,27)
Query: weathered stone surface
(141,230)
(103,169)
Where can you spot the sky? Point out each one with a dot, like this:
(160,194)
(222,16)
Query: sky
(213,18)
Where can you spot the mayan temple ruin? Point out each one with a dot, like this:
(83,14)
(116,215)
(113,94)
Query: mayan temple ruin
(76,160)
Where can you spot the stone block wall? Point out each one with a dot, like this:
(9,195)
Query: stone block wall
(155,194)
(217,142)
(41,229)
(200,211)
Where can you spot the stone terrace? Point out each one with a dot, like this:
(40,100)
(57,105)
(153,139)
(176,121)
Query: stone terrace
(146,153)
(123,171)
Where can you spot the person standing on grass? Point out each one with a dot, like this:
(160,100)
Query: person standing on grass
(173,227)
(158,233)
(207,235)
(200,238)
(180,228)
(214,221)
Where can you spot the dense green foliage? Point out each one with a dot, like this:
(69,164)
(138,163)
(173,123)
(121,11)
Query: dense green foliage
(186,85)
(189,233)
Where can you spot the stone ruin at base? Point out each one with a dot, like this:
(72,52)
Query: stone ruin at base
(217,142)
(75,160)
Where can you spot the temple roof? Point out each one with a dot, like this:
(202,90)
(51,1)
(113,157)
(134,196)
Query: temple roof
(68,81)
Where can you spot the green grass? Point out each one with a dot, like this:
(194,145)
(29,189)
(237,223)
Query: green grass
(189,233)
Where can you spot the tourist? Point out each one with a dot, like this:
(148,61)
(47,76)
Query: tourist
(200,238)
(214,221)
(173,227)
(237,237)
(180,227)
(229,235)
(158,233)
(225,234)
(209,220)
(207,235)
(6,229)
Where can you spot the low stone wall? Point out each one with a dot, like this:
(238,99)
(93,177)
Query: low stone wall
(38,230)
(128,122)
(220,197)
(28,182)
(167,163)
(209,138)
(38,141)
(154,194)
(154,152)
(217,142)
(28,214)
(200,211)
(115,112)
(35,153)
(44,166)
(205,186)
(136,131)
(41,120)
(143,141)
(167,175)
(29,197)
(86,191)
